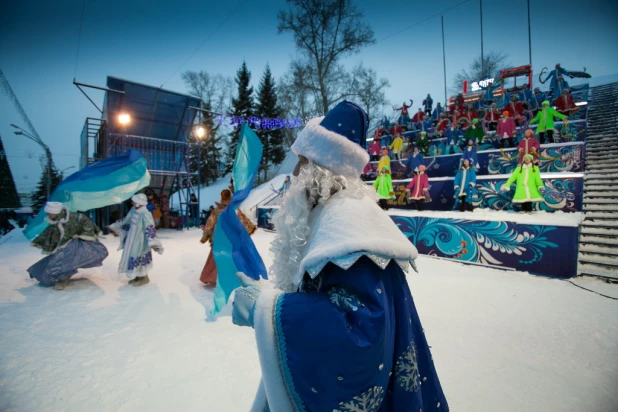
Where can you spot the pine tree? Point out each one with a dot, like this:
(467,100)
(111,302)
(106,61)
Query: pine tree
(40,196)
(243,107)
(272,138)
(9,199)
(209,151)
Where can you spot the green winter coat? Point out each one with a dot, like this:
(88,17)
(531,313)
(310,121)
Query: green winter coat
(474,134)
(528,183)
(64,228)
(384,186)
(545,118)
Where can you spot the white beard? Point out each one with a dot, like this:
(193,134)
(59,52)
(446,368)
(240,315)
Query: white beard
(313,185)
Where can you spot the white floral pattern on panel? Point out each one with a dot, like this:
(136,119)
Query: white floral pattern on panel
(406,370)
(343,299)
(368,401)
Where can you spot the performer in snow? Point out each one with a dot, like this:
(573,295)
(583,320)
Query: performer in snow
(340,331)
(545,119)
(536,100)
(418,188)
(415,160)
(565,104)
(428,104)
(529,184)
(404,117)
(285,186)
(384,187)
(137,236)
(209,272)
(418,118)
(529,145)
(506,130)
(474,132)
(385,160)
(515,109)
(464,185)
(71,243)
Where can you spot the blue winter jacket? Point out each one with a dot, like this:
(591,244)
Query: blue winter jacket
(465,178)
(428,103)
(415,161)
(470,155)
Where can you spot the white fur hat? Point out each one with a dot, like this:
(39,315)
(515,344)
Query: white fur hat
(140,199)
(53,208)
(337,140)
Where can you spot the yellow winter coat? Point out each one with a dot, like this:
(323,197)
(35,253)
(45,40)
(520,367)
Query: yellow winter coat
(397,145)
(384,161)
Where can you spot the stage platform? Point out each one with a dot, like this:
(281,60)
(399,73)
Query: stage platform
(540,243)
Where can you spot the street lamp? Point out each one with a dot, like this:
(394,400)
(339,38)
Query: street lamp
(124,119)
(36,139)
(200,132)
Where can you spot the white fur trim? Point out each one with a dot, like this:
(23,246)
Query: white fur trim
(275,388)
(140,199)
(53,208)
(330,150)
(345,225)
(260,402)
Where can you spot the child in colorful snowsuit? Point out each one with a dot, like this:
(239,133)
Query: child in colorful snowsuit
(465,182)
(415,160)
(529,145)
(506,130)
(396,146)
(71,243)
(137,236)
(418,189)
(545,119)
(385,160)
(529,186)
(384,187)
(423,143)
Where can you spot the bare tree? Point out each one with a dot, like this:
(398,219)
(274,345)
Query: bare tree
(213,89)
(369,89)
(325,31)
(493,63)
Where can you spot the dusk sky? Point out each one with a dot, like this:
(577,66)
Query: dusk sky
(149,41)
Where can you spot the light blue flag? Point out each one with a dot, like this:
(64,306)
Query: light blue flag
(233,249)
(103,183)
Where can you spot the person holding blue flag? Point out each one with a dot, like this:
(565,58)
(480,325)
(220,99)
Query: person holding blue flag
(340,331)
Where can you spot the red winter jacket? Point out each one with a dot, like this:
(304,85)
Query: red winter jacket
(515,109)
(417,186)
(525,147)
(506,126)
(565,102)
(418,117)
(374,148)
(472,114)
(396,129)
(492,115)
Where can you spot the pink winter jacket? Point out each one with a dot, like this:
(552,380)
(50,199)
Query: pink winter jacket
(525,147)
(417,186)
(507,127)
(375,148)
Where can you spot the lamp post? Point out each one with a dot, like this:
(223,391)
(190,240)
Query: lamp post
(200,133)
(37,140)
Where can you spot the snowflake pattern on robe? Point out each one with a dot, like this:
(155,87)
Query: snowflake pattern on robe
(140,261)
(151,232)
(368,401)
(343,299)
(406,370)
(125,227)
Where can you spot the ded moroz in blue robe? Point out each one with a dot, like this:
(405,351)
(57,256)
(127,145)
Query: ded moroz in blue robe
(350,339)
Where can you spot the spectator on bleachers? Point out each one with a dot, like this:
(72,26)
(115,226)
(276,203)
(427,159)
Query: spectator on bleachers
(396,129)
(385,123)
(397,146)
(565,104)
(529,145)
(385,160)
(465,181)
(529,184)
(415,160)
(545,119)
(443,123)
(404,116)
(471,114)
(418,188)
(428,125)
(470,153)
(491,117)
(437,111)
(506,130)
(374,150)
(384,187)
(423,143)
(515,109)
(536,100)
(475,131)
(418,118)
(453,134)
(428,104)
(459,103)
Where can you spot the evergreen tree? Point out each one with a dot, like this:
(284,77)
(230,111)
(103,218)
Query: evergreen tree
(40,196)
(9,199)
(209,151)
(243,107)
(272,138)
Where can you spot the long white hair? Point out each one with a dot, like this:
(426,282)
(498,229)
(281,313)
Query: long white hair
(314,185)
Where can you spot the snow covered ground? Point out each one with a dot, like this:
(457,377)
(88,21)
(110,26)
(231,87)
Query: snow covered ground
(502,341)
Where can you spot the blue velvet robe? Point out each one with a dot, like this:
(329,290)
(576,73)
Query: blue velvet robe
(353,339)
